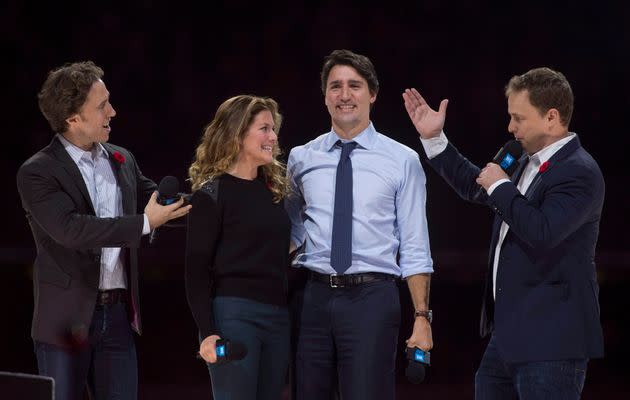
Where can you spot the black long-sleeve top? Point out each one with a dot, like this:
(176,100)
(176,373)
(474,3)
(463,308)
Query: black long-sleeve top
(238,246)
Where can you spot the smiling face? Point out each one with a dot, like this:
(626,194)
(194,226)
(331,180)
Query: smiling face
(348,100)
(259,141)
(91,124)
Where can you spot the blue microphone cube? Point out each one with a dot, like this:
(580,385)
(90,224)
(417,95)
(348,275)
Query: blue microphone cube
(417,355)
(507,161)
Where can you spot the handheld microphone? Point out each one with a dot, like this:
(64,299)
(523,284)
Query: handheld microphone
(167,194)
(227,351)
(167,190)
(507,158)
(417,362)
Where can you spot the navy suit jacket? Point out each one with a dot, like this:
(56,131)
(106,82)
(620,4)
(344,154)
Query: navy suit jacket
(69,238)
(546,305)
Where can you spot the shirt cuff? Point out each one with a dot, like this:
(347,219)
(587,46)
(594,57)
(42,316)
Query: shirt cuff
(496,184)
(146,228)
(434,146)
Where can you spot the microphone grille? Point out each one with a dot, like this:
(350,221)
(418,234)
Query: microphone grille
(169,186)
(415,372)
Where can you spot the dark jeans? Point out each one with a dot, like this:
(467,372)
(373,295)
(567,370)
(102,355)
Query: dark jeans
(107,362)
(351,332)
(538,380)
(264,330)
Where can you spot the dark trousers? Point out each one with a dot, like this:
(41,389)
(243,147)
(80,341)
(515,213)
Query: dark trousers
(351,332)
(539,380)
(107,362)
(264,330)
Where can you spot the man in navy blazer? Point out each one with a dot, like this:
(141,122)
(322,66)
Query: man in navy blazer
(540,303)
(82,199)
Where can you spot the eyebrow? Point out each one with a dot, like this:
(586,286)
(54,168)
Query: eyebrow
(350,81)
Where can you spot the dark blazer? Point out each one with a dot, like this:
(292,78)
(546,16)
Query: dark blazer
(546,305)
(69,238)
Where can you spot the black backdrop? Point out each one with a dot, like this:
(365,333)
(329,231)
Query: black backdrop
(168,67)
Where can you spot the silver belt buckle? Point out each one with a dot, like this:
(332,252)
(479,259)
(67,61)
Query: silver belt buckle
(332,281)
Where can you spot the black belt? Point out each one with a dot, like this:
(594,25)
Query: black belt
(112,296)
(337,281)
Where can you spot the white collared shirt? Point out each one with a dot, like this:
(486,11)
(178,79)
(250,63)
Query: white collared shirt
(106,199)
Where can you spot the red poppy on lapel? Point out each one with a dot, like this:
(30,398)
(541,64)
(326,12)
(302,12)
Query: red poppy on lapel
(543,167)
(119,157)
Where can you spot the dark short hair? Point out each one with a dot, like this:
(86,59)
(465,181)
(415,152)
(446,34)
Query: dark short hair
(547,89)
(359,62)
(65,90)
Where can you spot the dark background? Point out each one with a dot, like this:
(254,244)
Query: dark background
(169,67)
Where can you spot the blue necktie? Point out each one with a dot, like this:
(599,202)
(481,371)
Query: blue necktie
(341,247)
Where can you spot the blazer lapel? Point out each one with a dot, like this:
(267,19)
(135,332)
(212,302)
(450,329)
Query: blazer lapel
(532,186)
(522,163)
(69,165)
(561,154)
(496,226)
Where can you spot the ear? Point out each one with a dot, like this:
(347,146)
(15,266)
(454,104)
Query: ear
(372,97)
(553,115)
(73,119)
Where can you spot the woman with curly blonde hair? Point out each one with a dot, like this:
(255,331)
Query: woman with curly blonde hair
(237,248)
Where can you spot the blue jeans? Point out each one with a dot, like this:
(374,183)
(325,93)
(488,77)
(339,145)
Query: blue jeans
(264,330)
(107,363)
(536,380)
(348,334)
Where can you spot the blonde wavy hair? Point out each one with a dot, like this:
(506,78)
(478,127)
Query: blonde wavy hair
(221,141)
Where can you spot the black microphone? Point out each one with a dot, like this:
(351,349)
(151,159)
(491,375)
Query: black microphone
(507,158)
(167,194)
(417,362)
(227,351)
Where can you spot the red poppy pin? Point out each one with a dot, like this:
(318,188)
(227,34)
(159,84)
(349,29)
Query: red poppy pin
(543,167)
(119,157)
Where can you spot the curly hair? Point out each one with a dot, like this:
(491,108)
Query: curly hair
(65,91)
(221,141)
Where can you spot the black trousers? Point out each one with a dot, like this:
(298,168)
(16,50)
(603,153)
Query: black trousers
(351,333)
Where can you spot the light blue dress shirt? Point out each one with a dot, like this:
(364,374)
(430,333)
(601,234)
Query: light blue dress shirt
(389,197)
(106,198)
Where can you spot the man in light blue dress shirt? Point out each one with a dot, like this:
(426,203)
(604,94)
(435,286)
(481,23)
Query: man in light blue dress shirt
(350,316)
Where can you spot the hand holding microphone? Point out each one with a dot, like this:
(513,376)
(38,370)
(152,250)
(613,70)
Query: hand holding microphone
(502,166)
(215,350)
(165,205)
(417,363)
(421,338)
(490,174)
